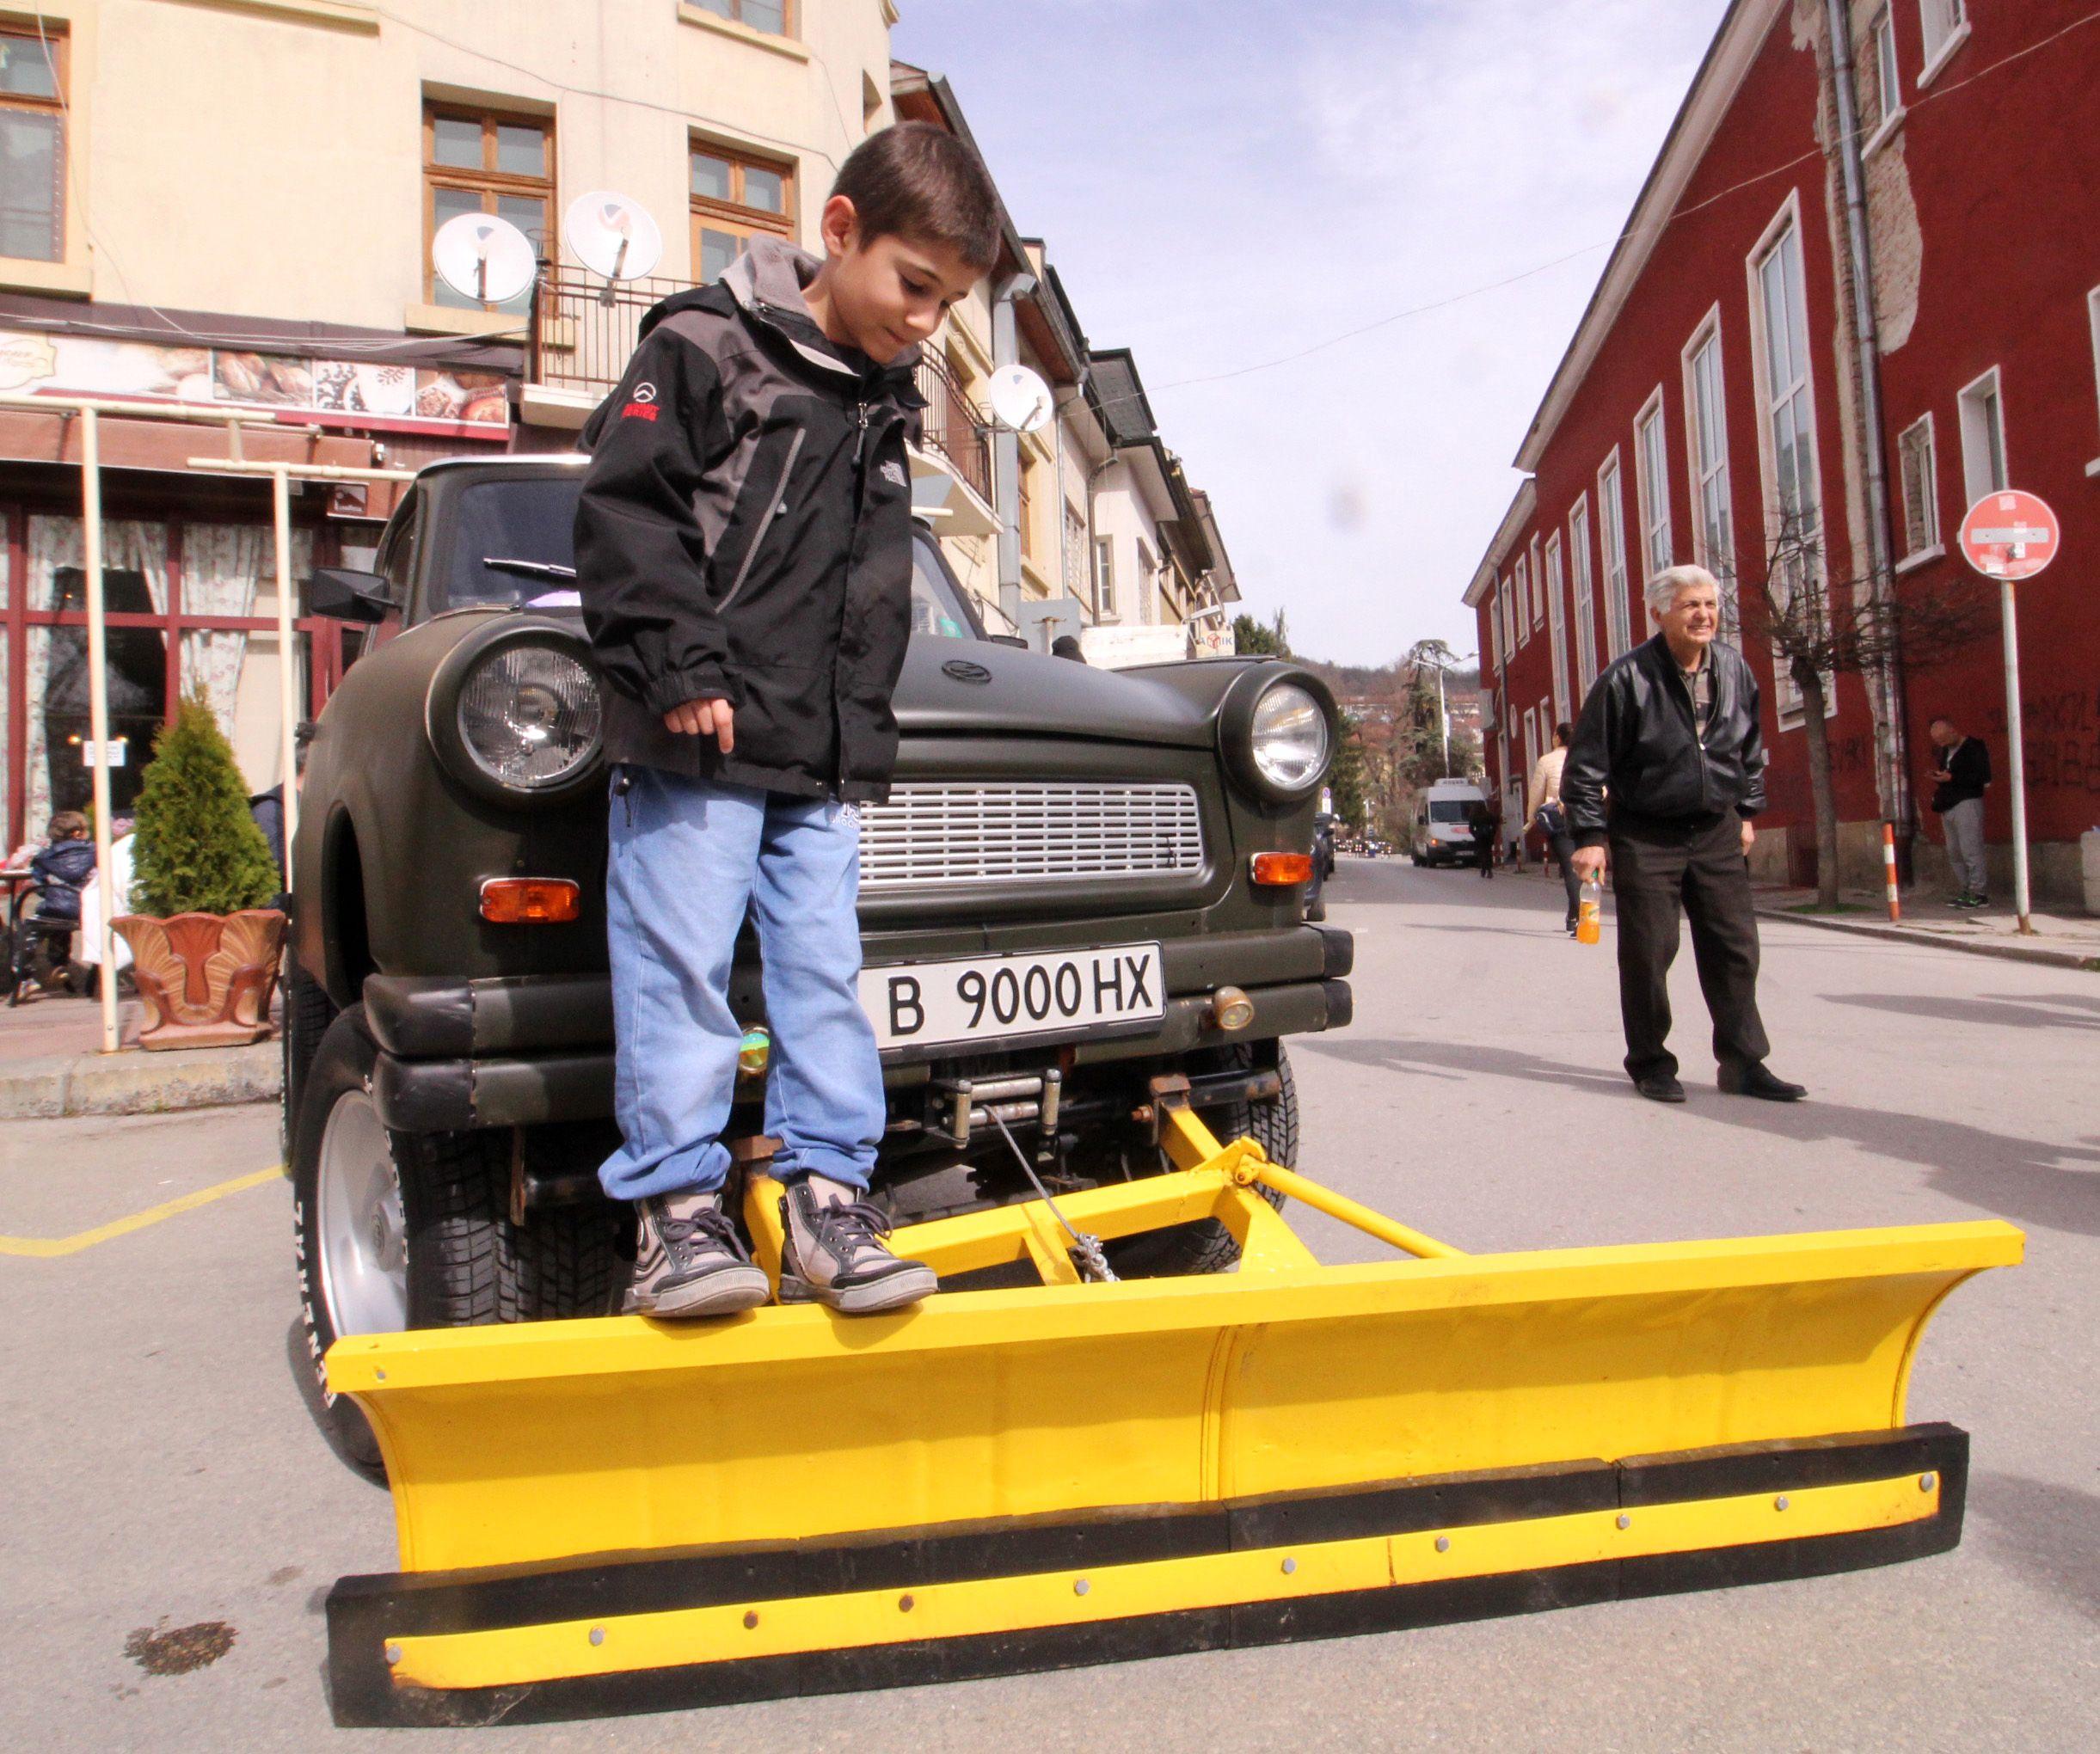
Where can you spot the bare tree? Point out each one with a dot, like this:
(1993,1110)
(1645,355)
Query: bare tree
(1820,629)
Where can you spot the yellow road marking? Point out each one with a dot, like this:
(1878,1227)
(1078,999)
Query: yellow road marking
(46,1247)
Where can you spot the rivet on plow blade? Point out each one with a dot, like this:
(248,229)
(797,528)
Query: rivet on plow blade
(1780,1503)
(1925,1482)
(1290,1566)
(1443,1543)
(1624,1521)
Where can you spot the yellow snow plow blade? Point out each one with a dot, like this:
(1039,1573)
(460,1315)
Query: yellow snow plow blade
(619,1514)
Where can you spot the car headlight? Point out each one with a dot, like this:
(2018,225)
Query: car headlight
(1289,736)
(521,717)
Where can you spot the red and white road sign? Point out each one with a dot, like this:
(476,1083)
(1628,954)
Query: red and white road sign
(2010,536)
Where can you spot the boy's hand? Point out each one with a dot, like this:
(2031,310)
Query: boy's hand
(704,719)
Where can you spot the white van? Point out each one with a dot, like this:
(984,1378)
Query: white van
(1444,822)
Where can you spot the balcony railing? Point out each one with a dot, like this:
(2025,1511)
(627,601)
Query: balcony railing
(952,427)
(583,329)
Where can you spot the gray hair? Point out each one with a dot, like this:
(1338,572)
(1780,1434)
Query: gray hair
(1661,590)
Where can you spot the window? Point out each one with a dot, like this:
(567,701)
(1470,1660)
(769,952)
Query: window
(734,198)
(1882,91)
(1611,533)
(1919,465)
(1024,509)
(1495,628)
(2092,313)
(1148,568)
(1524,603)
(1508,597)
(32,147)
(1104,579)
(1793,491)
(1945,25)
(1538,585)
(1707,433)
(1531,757)
(1651,480)
(480,162)
(1585,597)
(1983,438)
(1556,617)
(771,16)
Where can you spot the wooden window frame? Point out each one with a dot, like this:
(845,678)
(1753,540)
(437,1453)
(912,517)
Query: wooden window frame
(1976,470)
(1525,622)
(1712,484)
(1651,457)
(734,216)
(488,183)
(1539,588)
(60,41)
(1923,507)
(1104,580)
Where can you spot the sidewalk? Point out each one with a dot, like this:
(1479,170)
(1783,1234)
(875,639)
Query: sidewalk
(51,1064)
(2061,941)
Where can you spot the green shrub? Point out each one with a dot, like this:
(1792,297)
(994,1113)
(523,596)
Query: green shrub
(198,850)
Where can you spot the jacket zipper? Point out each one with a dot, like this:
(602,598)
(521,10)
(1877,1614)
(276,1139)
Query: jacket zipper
(765,523)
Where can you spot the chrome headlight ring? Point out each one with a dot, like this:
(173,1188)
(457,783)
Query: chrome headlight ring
(1277,730)
(516,714)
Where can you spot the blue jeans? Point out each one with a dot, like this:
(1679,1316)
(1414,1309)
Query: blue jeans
(687,857)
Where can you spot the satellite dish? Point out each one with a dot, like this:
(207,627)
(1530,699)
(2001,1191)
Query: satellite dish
(612,235)
(483,258)
(1021,401)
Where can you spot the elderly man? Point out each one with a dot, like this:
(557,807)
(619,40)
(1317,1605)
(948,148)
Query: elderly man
(1670,735)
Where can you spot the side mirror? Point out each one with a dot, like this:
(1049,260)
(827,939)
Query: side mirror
(345,594)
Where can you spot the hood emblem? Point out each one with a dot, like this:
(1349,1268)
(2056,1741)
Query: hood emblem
(963,670)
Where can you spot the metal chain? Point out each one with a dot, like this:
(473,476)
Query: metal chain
(1086,1251)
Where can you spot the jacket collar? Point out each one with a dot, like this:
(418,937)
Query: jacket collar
(1662,662)
(767,282)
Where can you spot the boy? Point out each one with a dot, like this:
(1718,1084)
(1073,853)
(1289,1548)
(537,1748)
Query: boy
(743,553)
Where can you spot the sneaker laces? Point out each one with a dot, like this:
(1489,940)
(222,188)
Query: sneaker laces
(708,1222)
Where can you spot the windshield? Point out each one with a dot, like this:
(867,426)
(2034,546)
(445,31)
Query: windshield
(936,605)
(529,524)
(1449,810)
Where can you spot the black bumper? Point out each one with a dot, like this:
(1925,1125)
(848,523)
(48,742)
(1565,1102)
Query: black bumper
(523,1050)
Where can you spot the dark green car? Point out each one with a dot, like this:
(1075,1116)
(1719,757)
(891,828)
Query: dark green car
(1063,903)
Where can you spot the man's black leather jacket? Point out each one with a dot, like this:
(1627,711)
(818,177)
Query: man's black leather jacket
(1635,739)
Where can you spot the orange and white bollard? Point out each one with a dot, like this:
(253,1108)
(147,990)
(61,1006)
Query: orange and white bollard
(1888,869)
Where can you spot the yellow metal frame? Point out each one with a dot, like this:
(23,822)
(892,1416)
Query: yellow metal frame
(547,1441)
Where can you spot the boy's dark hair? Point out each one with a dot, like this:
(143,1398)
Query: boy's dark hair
(67,823)
(918,181)
(1564,731)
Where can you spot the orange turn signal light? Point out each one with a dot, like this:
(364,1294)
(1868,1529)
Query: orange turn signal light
(530,901)
(1279,870)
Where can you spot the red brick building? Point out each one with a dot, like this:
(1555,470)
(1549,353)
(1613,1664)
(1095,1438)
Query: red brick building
(1718,377)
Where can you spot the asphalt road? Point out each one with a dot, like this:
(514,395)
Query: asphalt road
(162,1471)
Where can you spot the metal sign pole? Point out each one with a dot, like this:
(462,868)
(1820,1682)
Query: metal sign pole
(2017,756)
(98,713)
(287,666)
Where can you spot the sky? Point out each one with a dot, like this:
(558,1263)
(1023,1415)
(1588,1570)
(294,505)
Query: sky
(1222,183)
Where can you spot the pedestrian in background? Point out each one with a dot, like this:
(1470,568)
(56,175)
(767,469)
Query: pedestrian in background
(1960,780)
(1543,805)
(1480,819)
(1671,731)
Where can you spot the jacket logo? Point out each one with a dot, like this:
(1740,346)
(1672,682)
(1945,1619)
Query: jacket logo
(963,670)
(645,393)
(893,472)
(639,411)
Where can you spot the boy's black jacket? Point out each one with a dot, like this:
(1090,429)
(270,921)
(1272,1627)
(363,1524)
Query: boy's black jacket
(1637,739)
(60,872)
(745,534)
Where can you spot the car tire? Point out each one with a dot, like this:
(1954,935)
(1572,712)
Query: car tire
(395,1229)
(1316,909)
(1183,1250)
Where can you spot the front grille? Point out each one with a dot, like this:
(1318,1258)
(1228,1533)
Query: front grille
(990,834)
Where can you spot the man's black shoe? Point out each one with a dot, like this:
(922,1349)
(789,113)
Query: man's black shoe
(1757,1081)
(1660,1087)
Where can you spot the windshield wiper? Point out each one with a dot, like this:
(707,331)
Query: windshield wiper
(531,570)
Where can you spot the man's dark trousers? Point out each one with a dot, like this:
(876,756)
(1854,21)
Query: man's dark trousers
(1699,862)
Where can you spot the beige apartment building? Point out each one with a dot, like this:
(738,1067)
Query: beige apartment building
(228,205)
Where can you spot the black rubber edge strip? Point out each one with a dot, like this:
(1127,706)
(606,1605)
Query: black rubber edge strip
(364,1611)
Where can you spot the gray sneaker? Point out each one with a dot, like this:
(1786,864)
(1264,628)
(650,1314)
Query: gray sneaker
(689,1261)
(834,1253)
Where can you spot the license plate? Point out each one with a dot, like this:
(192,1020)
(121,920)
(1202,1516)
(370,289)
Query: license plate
(987,998)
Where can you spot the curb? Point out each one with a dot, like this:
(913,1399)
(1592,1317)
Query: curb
(1973,947)
(139,1083)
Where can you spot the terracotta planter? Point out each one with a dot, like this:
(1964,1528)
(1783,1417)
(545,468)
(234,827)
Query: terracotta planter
(207,978)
